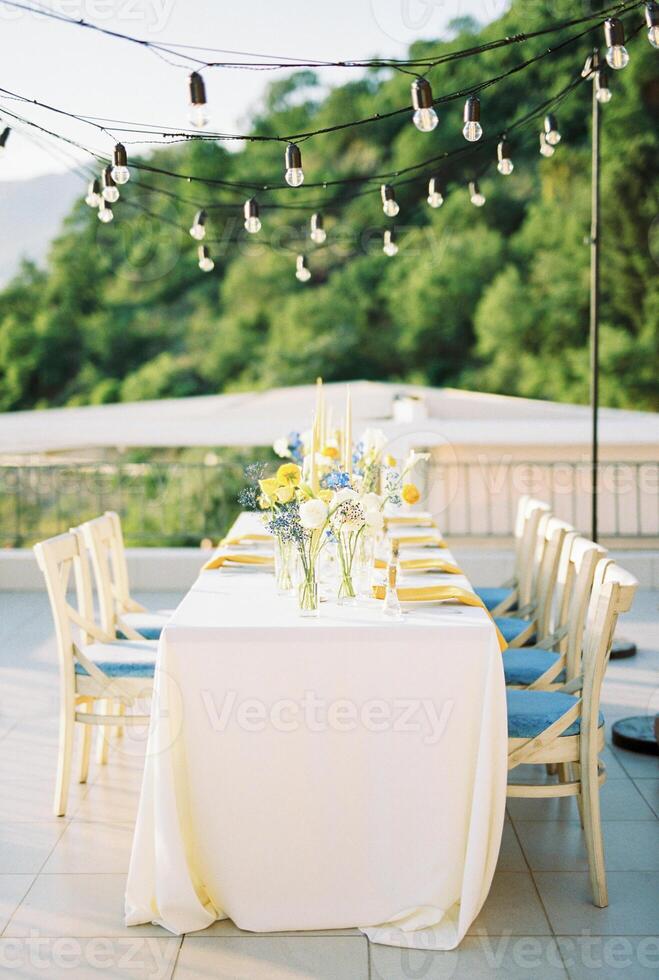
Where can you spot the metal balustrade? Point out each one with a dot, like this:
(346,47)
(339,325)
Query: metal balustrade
(179,504)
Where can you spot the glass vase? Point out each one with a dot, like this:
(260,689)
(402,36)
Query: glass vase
(347,544)
(283,567)
(364,558)
(307,587)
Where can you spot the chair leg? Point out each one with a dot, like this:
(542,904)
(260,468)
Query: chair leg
(121,710)
(593,833)
(86,747)
(66,730)
(103,733)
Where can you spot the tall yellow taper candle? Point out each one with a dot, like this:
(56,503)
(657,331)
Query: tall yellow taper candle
(314,450)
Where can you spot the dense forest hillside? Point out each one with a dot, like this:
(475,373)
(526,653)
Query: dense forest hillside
(494,298)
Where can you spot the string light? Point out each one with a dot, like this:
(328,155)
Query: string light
(4,136)
(476,195)
(94,196)
(198,230)
(198,116)
(617,55)
(389,203)
(317,233)
(602,90)
(120,171)
(505,165)
(652,21)
(302,271)
(546,149)
(473,130)
(424,118)
(105,211)
(389,247)
(294,175)
(251,212)
(435,193)
(110,189)
(552,134)
(206,263)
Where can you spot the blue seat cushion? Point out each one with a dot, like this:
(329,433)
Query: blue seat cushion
(511,627)
(530,712)
(126,659)
(148,632)
(492,597)
(523,666)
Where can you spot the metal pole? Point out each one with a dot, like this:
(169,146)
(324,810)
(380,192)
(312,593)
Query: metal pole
(594,304)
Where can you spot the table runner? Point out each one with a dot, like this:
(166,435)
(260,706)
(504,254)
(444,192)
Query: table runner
(321,774)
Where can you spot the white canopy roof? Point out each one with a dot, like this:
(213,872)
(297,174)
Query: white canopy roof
(430,415)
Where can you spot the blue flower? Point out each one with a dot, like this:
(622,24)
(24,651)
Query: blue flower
(336,480)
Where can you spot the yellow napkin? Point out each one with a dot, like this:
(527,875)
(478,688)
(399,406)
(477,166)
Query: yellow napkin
(409,520)
(219,560)
(423,565)
(440,593)
(227,542)
(421,540)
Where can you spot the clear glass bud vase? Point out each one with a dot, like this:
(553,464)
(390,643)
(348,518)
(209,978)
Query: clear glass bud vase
(347,545)
(284,554)
(307,587)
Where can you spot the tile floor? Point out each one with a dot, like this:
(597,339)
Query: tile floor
(62,881)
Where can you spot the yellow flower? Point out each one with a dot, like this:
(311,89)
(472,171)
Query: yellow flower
(263,503)
(410,493)
(269,487)
(289,473)
(331,452)
(390,460)
(285,494)
(325,495)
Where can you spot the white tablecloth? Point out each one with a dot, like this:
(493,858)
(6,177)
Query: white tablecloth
(321,773)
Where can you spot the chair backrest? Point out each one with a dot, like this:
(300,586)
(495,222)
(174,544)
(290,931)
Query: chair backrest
(584,556)
(613,593)
(553,537)
(100,537)
(528,549)
(119,564)
(57,557)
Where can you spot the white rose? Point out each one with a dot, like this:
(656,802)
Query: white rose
(347,494)
(371,501)
(374,519)
(313,514)
(281,447)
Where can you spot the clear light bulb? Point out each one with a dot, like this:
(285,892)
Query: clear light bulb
(198,230)
(105,213)
(505,166)
(206,263)
(602,90)
(294,175)
(111,194)
(546,149)
(435,197)
(476,195)
(391,208)
(653,35)
(94,196)
(617,56)
(389,247)
(472,131)
(552,134)
(120,172)
(317,233)
(652,21)
(198,116)
(252,224)
(302,271)
(425,120)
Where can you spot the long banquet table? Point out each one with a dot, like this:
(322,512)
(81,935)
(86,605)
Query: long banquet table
(321,773)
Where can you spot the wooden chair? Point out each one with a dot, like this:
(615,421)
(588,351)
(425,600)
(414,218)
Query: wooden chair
(517,591)
(556,657)
(119,611)
(566,728)
(532,620)
(96,671)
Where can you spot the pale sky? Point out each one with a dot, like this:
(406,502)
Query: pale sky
(85,73)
